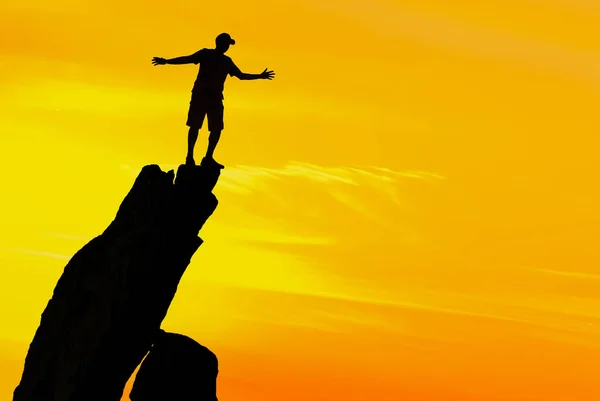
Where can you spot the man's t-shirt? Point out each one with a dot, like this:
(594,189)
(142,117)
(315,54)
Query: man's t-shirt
(214,68)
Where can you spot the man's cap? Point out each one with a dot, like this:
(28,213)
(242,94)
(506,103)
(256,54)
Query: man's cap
(225,38)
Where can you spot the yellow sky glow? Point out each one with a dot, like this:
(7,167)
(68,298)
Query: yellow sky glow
(408,211)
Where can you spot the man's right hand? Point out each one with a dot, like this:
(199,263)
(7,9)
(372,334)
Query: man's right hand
(267,74)
(159,61)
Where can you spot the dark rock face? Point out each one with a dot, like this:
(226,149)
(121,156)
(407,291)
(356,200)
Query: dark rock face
(109,303)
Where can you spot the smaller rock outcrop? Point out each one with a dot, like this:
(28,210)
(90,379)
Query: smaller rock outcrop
(176,368)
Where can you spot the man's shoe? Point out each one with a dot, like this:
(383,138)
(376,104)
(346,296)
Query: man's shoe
(218,165)
(210,162)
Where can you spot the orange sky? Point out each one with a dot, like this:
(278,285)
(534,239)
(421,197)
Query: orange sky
(409,210)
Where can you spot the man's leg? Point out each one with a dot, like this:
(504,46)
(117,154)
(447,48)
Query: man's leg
(213,140)
(195,119)
(215,126)
(192,138)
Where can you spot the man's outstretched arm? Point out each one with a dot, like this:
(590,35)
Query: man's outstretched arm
(248,77)
(177,60)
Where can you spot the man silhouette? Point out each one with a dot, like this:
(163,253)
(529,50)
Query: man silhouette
(207,93)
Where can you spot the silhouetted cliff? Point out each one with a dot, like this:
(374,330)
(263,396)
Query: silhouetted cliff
(109,303)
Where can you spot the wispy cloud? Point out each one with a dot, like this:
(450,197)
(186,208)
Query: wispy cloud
(34,252)
(346,184)
(317,193)
(351,175)
(569,274)
(66,236)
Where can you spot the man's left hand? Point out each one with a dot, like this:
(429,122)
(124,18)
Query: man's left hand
(267,74)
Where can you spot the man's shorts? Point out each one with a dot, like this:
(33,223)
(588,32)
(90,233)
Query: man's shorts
(201,106)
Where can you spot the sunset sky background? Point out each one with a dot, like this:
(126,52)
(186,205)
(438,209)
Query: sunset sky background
(409,210)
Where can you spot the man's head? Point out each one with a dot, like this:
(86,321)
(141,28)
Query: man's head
(223,42)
